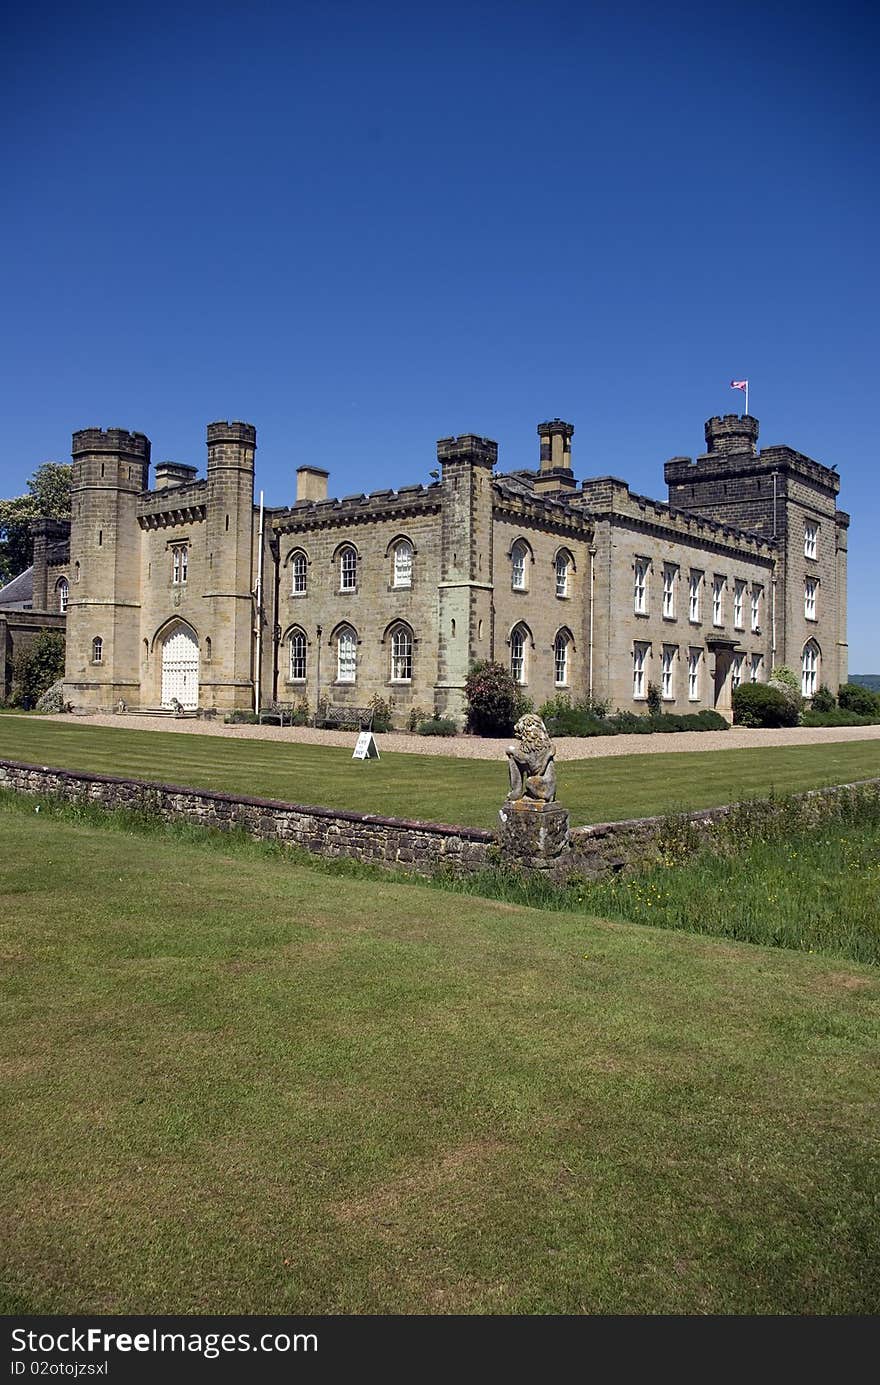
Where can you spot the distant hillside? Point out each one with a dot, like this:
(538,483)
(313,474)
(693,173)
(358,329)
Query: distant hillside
(867,680)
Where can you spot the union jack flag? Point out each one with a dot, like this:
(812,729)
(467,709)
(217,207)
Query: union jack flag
(739,384)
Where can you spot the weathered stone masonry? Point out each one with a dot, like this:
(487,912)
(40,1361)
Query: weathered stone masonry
(604,849)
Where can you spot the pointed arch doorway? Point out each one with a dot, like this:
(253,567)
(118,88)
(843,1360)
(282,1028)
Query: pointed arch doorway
(180,667)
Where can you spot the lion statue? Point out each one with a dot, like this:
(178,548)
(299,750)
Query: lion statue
(531,761)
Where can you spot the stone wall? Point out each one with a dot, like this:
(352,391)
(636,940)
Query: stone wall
(397,842)
(604,849)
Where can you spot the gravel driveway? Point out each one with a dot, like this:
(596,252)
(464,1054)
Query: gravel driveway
(476,748)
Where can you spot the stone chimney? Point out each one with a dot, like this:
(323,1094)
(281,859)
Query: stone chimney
(173,474)
(555,457)
(311,483)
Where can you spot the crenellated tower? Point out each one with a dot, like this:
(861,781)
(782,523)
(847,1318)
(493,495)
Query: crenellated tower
(110,470)
(465,607)
(231,550)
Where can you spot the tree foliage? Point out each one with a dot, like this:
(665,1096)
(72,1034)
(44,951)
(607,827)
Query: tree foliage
(48,498)
(37,668)
(492,698)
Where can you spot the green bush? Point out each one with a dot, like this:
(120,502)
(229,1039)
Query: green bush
(571,721)
(838,716)
(241,718)
(654,700)
(853,697)
(824,700)
(493,699)
(37,668)
(381,712)
(437,726)
(761,704)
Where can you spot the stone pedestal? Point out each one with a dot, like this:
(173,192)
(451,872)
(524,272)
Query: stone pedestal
(532,833)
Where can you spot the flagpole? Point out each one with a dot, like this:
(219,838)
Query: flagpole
(747,396)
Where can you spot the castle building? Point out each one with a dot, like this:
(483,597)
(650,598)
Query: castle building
(187,591)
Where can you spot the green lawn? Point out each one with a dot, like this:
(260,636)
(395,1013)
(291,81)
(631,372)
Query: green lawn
(233,1084)
(435,788)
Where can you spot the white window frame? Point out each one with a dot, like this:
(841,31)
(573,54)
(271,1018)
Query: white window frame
(739,604)
(63,595)
(667,673)
(403,564)
(736,670)
(348,565)
(755,669)
(757,593)
(518,656)
(641,654)
(669,571)
(401,655)
(811,538)
(179,563)
(518,559)
(297,656)
(562,570)
(346,656)
(718,585)
(299,570)
(695,660)
(811,598)
(560,660)
(641,569)
(810,664)
(694,594)
(97,650)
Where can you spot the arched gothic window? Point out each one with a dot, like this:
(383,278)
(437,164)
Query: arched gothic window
(348,569)
(403,563)
(560,659)
(346,655)
(63,594)
(518,558)
(97,650)
(518,657)
(401,655)
(810,662)
(297,644)
(298,567)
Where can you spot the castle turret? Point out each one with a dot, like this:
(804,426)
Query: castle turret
(229,519)
(555,472)
(731,433)
(465,587)
(110,469)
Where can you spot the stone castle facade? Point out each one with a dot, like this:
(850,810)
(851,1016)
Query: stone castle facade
(577,587)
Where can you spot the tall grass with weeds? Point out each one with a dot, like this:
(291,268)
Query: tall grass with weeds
(801,874)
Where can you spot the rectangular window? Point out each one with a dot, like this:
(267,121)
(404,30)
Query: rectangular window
(718,600)
(696,583)
(561,575)
(755,671)
(667,683)
(736,670)
(640,654)
(178,566)
(694,656)
(739,601)
(811,537)
(756,610)
(640,586)
(669,571)
(811,587)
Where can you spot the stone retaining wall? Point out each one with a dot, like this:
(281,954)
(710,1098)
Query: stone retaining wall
(592,852)
(398,842)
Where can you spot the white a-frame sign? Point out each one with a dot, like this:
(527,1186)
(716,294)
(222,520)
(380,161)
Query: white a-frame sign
(366,748)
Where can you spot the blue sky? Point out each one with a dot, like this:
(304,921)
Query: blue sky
(366,227)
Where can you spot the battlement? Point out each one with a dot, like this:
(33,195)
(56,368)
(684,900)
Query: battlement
(115,441)
(470,448)
(731,433)
(608,495)
(721,466)
(222,431)
(308,513)
(555,426)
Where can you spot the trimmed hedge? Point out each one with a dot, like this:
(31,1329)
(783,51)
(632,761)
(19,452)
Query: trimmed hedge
(437,726)
(838,717)
(572,722)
